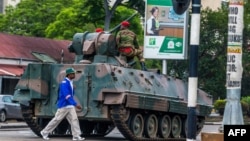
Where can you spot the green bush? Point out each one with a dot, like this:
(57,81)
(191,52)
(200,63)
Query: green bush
(220,103)
(246,100)
(246,108)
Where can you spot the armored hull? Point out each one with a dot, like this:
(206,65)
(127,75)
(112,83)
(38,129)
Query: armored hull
(143,105)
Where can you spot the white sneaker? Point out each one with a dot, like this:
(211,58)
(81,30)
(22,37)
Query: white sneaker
(78,138)
(45,136)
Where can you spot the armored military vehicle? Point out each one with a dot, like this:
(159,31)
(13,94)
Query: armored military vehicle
(143,105)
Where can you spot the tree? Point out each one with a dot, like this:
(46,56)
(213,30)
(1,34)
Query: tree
(24,20)
(110,9)
(59,19)
(213,50)
(77,19)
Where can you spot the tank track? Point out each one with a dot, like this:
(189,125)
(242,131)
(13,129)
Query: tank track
(28,118)
(118,118)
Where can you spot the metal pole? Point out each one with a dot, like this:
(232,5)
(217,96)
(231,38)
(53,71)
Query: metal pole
(233,112)
(193,67)
(164,67)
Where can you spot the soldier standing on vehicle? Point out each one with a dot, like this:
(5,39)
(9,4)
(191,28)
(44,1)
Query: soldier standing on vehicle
(65,104)
(128,45)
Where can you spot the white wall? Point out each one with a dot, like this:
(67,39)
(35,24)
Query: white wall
(213,4)
(9,2)
(12,2)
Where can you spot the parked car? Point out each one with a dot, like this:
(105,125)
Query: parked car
(9,109)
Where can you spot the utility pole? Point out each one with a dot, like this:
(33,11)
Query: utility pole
(193,62)
(233,112)
(193,70)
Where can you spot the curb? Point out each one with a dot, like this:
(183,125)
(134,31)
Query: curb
(10,125)
(24,125)
(213,123)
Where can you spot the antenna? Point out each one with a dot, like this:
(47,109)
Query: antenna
(62,55)
(118,26)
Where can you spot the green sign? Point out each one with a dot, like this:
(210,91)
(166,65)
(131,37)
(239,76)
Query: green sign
(165,31)
(160,2)
(172,45)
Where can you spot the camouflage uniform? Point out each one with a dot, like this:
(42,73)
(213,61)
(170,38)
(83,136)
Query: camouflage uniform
(128,45)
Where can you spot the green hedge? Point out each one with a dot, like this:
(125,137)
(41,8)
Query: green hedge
(220,103)
(245,104)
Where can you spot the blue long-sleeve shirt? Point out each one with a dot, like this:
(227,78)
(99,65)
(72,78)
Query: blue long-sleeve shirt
(66,94)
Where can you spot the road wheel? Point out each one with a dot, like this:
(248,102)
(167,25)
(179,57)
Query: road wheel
(165,126)
(151,126)
(137,125)
(176,126)
(2,116)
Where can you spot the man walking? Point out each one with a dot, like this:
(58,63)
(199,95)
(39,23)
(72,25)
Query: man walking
(65,104)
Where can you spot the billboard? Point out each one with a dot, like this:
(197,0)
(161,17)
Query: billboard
(165,35)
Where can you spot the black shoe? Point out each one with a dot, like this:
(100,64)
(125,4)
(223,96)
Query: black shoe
(132,63)
(143,66)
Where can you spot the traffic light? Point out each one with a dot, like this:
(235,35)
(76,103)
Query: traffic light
(180,6)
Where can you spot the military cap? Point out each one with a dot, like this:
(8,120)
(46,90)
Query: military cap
(125,23)
(98,30)
(70,71)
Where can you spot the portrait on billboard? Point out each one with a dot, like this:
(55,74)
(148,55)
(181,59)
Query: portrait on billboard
(160,21)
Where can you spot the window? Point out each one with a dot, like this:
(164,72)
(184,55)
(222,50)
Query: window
(7,99)
(8,85)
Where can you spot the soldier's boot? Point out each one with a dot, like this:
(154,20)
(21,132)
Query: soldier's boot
(132,63)
(143,66)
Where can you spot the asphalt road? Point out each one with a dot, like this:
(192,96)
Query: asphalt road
(17,131)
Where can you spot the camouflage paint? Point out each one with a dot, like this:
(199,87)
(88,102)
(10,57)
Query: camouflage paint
(103,81)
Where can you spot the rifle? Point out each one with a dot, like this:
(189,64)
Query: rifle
(119,25)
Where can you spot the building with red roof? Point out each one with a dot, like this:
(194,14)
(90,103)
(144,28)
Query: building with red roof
(16,52)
